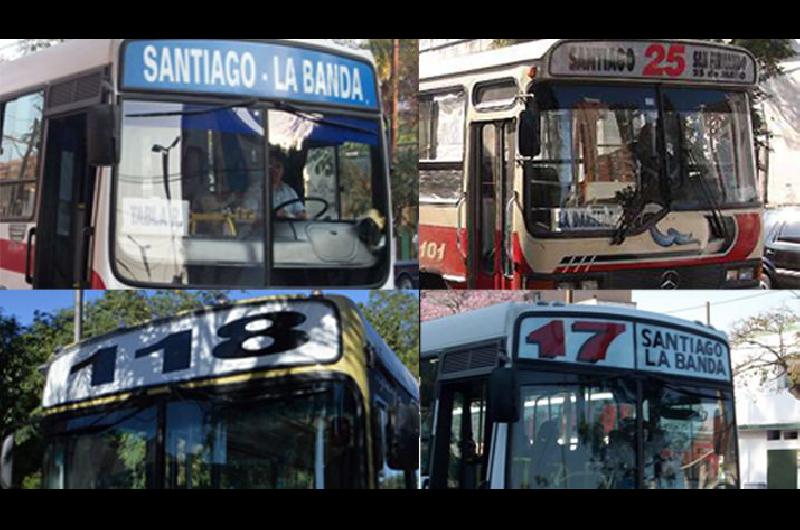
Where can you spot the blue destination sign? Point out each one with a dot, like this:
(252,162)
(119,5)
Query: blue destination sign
(255,69)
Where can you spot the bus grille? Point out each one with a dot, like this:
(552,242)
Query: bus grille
(76,92)
(460,361)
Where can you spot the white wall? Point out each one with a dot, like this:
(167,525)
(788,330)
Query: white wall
(782,112)
(753,459)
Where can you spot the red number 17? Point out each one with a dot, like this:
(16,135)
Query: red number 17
(550,339)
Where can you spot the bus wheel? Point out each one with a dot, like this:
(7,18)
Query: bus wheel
(404,283)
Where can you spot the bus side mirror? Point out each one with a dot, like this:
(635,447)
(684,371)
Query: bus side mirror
(529,132)
(102,135)
(403,452)
(503,395)
(7,462)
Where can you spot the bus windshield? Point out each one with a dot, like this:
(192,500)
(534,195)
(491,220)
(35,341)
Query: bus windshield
(191,187)
(583,432)
(304,440)
(600,143)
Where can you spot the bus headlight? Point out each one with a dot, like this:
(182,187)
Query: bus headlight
(742,274)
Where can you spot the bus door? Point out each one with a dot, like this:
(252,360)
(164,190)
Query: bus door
(491,206)
(461,441)
(64,222)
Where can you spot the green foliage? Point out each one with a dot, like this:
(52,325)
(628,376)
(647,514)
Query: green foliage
(404,163)
(395,316)
(24,350)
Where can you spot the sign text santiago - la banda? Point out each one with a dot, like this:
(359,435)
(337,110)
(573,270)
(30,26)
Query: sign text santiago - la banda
(245,68)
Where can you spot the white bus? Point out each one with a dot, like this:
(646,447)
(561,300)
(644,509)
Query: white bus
(589,164)
(540,396)
(148,163)
(278,392)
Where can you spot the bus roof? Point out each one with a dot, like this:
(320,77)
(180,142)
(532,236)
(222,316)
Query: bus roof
(497,321)
(431,67)
(80,55)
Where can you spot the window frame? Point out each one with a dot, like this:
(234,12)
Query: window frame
(494,104)
(40,155)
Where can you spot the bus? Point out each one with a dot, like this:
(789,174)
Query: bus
(585,164)
(552,395)
(132,163)
(294,391)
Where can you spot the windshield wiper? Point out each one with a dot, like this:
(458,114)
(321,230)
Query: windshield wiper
(287,107)
(246,103)
(717,224)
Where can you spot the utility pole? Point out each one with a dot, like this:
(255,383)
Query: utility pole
(395,97)
(78,322)
(708,313)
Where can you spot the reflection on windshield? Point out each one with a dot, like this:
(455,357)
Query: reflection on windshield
(107,451)
(575,436)
(304,440)
(601,143)
(301,442)
(192,182)
(709,147)
(188,205)
(690,440)
(582,433)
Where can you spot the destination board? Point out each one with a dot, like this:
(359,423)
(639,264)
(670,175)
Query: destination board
(248,68)
(657,60)
(626,344)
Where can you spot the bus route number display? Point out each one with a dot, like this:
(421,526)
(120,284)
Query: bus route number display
(661,60)
(215,343)
(624,344)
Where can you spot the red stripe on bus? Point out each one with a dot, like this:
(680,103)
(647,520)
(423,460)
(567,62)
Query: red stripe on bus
(97,282)
(12,256)
(749,231)
(439,239)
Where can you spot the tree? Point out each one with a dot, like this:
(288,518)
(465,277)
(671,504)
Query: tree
(770,346)
(438,304)
(404,160)
(395,316)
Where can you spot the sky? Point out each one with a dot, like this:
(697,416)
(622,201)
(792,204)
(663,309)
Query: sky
(22,304)
(727,307)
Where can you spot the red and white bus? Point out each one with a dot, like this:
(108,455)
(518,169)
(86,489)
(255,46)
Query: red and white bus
(138,163)
(589,164)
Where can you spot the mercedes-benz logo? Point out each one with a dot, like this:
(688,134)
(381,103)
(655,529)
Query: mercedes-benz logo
(670,280)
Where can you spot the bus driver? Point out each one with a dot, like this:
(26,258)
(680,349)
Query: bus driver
(282,192)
